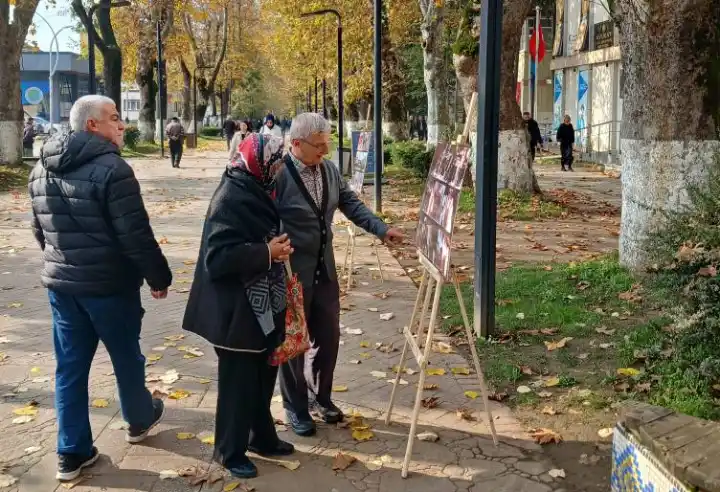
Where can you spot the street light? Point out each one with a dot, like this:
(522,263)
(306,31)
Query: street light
(195,128)
(92,83)
(341,109)
(52,67)
(486,164)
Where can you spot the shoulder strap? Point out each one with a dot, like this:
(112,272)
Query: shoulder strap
(290,165)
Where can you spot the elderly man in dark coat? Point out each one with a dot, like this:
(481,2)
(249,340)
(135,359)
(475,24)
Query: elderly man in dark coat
(309,191)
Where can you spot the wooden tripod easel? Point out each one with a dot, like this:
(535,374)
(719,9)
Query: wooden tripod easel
(431,288)
(352,234)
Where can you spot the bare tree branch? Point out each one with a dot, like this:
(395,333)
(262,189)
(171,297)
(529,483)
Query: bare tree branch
(80,11)
(221,56)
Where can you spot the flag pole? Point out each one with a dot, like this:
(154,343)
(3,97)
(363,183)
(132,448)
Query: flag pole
(538,31)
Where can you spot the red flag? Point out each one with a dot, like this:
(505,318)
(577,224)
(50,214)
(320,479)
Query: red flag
(533,42)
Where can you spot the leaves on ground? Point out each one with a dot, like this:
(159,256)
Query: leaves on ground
(185,436)
(154,357)
(343,461)
(23,419)
(179,394)
(353,331)
(387,316)
(362,433)
(442,348)
(523,389)
(15,305)
(428,436)
(431,402)
(628,371)
(378,374)
(364,344)
(75,482)
(100,403)
(340,389)
(460,371)
(606,432)
(557,345)
(465,414)
(175,338)
(548,410)
(605,331)
(498,396)
(471,394)
(28,410)
(431,386)
(435,371)
(557,473)
(545,436)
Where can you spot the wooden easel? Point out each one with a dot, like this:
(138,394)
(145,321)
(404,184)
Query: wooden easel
(431,286)
(352,234)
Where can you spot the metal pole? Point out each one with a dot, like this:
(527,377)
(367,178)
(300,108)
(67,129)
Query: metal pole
(194,115)
(92,82)
(316,94)
(324,98)
(161,87)
(486,160)
(538,30)
(341,108)
(378,107)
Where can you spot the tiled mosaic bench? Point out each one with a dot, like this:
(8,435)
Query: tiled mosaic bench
(658,450)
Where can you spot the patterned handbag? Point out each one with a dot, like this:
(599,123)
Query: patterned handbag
(297,339)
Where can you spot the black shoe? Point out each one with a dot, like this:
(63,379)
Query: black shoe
(246,469)
(71,465)
(331,414)
(304,427)
(136,434)
(282,448)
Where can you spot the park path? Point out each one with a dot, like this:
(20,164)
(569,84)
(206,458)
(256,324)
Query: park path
(463,459)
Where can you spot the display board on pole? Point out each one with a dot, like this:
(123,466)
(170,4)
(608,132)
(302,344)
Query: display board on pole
(434,242)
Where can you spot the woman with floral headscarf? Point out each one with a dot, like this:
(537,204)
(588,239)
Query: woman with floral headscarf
(237,302)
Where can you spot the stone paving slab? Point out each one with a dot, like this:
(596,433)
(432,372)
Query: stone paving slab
(464,458)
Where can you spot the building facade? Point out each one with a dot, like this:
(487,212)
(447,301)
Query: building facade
(130,101)
(587,77)
(70,81)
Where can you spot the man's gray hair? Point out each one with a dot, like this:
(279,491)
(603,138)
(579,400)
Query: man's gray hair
(305,124)
(85,108)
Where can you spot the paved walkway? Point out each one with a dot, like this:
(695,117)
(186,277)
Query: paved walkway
(464,458)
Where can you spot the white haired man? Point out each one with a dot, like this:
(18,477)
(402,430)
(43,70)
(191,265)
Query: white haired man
(90,222)
(309,191)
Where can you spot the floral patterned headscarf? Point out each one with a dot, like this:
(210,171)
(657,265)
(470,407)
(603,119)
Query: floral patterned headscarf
(260,156)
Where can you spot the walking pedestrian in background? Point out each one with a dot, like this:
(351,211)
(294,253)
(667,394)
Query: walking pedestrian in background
(29,135)
(98,247)
(176,140)
(270,127)
(534,130)
(566,137)
(229,128)
(242,131)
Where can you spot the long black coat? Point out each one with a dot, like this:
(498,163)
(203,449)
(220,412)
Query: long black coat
(233,255)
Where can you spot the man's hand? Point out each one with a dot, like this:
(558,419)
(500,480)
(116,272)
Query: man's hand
(280,248)
(394,236)
(159,294)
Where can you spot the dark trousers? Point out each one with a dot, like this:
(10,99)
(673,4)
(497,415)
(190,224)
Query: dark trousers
(176,152)
(27,150)
(310,376)
(79,323)
(245,387)
(228,140)
(566,156)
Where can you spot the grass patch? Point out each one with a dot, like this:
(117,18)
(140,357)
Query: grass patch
(142,149)
(515,206)
(14,177)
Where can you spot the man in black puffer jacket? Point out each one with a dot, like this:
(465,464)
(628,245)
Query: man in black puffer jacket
(98,247)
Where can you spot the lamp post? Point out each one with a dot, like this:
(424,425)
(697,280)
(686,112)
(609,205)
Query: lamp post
(92,83)
(195,125)
(339,76)
(486,163)
(378,106)
(162,97)
(52,66)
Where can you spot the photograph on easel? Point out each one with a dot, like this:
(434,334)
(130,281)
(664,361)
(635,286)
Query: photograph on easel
(360,163)
(439,205)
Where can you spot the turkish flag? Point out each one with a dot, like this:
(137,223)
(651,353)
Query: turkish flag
(533,42)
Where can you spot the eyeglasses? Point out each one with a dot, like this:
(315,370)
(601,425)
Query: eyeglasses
(324,146)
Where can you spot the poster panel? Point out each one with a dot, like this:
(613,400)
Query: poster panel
(439,205)
(557,99)
(359,162)
(355,140)
(582,107)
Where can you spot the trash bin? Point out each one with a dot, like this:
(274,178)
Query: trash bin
(191,141)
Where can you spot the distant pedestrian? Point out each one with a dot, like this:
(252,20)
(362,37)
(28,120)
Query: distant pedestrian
(176,139)
(29,135)
(98,247)
(229,131)
(566,137)
(534,130)
(270,128)
(423,129)
(242,131)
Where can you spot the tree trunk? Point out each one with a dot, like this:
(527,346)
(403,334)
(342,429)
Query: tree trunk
(12,39)
(112,75)
(394,111)
(671,111)
(186,111)
(515,170)
(352,117)
(466,68)
(431,30)
(145,79)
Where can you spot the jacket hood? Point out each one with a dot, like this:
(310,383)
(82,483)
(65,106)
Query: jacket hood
(65,152)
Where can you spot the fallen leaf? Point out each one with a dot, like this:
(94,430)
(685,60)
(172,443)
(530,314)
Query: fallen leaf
(32,449)
(465,414)
(343,461)
(520,315)
(428,436)
(471,394)
(23,420)
(340,389)
(353,331)
(606,346)
(185,436)
(627,371)
(410,372)
(35,370)
(401,382)
(548,410)
(163,240)
(523,389)
(435,371)
(431,402)
(15,305)
(551,382)
(378,374)
(175,338)
(28,410)
(179,394)
(545,394)
(154,357)
(460,371)
(169,377)
(606,432)
(622,387)
(365,344)
(605,331)
(643,387)
(374,465)
(207,438)
(498,396)
(354,361)
(192,352)
(546,436)
(557,473)
(365,355)
(430,387)
(119,425)
(442,348)
(557,345)
(160,348)
(362,433)
(100,403)
(387,316)
(76,481)
(583,356)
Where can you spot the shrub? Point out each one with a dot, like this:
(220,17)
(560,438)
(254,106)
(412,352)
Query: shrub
(131,137)
(412,155)
(211,131)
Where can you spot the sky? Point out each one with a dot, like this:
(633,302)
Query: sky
(58,16)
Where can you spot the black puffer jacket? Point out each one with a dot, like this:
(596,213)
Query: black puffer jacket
(90,220)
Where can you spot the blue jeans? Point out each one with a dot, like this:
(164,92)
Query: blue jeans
(79,323)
